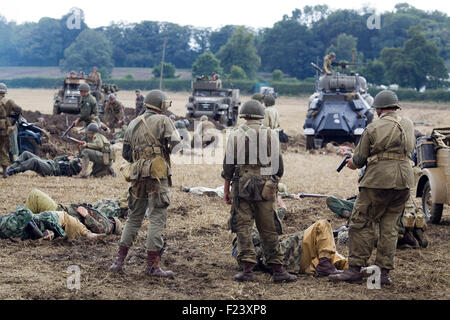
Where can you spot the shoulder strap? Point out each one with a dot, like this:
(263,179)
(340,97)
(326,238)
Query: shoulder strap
(393,129)
(149,135)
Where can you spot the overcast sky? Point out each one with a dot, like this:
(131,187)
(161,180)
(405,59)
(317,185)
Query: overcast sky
(199,13)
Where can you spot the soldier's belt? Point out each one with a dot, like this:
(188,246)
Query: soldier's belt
(148,152)
(386,156)
(252,170)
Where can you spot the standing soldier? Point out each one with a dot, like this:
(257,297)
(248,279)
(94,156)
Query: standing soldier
(205,132)
(254,189)
(327,60)
(140,108)
(148,141)
(114,112)
(88,107)
(7,106)
(271,117)
(385,148)
(95,78)
(96,149)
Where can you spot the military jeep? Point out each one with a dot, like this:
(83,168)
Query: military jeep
(68,98)
(219,104)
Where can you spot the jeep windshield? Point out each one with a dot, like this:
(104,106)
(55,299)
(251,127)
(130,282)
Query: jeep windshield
(208,93)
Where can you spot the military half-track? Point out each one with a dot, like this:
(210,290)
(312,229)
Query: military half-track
(217,103)
(338,111)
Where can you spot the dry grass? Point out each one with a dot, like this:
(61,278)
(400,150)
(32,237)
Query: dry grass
(199,245)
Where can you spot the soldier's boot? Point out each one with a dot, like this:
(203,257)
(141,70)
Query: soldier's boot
(247,272)
(421,238)
(119,261)
(326,267)
(153,269)
(84,168)
(408,240)
(112,172)
(385,279)
(352,274)
(5,175)
(281,275)
(11,171)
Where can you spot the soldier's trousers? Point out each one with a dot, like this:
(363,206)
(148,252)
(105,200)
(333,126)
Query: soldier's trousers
(413,216)
(99,168)
(147,195)
(375,207)
(29,161)
(262,213)
(4,151)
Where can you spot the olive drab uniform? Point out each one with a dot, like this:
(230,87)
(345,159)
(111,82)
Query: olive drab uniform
(114,112)
(140,107)
(385,147)
(327,63)
(271,118)
(96,79)
(7,106)
(146,147)
(99,152)
(88,110)
(248,181)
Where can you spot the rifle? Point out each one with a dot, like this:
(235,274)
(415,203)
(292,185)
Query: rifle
(344,162)
(312,195)
(67,131)
(74,140)
(343,64)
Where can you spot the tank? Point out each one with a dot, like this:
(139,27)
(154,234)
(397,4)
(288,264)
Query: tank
(338,111)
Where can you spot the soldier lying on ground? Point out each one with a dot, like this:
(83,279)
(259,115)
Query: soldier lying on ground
(60,166)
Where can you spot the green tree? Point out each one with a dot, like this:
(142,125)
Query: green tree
(169,71)
(240,51)
(220,37)
(237,73)
(374,71)
(205,64)
(344,47)
(416,63)
(277,75)
(91,48)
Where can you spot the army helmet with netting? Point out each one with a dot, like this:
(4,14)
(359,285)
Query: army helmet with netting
(269,100)
(3,88)
(156,99)
(92,128)
(84,87)
(386,99)
(252,109)
(258,97)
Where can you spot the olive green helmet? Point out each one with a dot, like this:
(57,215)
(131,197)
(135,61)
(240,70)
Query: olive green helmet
(204,118)
(258,97)
(3,88)
(92,128)
(386,99)
(252,109)
(156,99)
(269,100)
(84,87)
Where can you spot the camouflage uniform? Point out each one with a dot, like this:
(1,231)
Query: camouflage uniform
(88,110)
(114,112)
(7,106)
(60,166)
(98,151)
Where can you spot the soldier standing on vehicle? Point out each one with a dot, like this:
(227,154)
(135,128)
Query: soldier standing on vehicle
(385,148)
(7,106)
(95,78)
(327,60)
(140,108)
(254,191)
(88,107)
(148,143)
(272,117)
(114,112)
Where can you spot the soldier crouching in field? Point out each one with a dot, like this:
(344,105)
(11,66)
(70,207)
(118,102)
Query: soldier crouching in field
(148,141)
(255,168)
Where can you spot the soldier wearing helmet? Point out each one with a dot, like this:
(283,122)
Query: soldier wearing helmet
(147,145)
(95,79)
(7,107)
(258,97)
(327,60)
(205,132)
(385,149)
(114,112)
(88,107)
(254,163)
(272,117)
(96,149)
(140,108)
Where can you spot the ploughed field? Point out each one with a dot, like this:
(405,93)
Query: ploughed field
(198,242)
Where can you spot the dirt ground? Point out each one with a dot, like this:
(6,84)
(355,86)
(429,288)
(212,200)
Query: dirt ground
(199,244)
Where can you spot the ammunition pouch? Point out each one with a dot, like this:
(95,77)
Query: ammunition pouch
(125,169)
(155,168)
(386,156)
(269,191)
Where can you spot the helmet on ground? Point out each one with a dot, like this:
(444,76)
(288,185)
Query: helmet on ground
(252,109)
(84,87)
(3,88)
(156,99)
(269,100)
(258,97)
(203,118)
(92,128)
(386,99)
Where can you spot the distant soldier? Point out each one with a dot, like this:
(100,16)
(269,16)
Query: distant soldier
(7,107)
(327,60)
(95,79)
(82,75)
(385,149)
(254,191)
(72,74)
(61,166)
(96,149)
(258,97)
(114,112)
(140,108)
(148,142)
(271,117)
(205,132)
(88,107)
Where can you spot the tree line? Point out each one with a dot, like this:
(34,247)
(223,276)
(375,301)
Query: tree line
(409,48)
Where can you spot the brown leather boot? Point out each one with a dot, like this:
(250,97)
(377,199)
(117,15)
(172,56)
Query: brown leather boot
(352,274)
(421,238)
(5,175)
(153,269)
(117,266)
(246,274)
(281,275)
(326,267)
(385,279)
